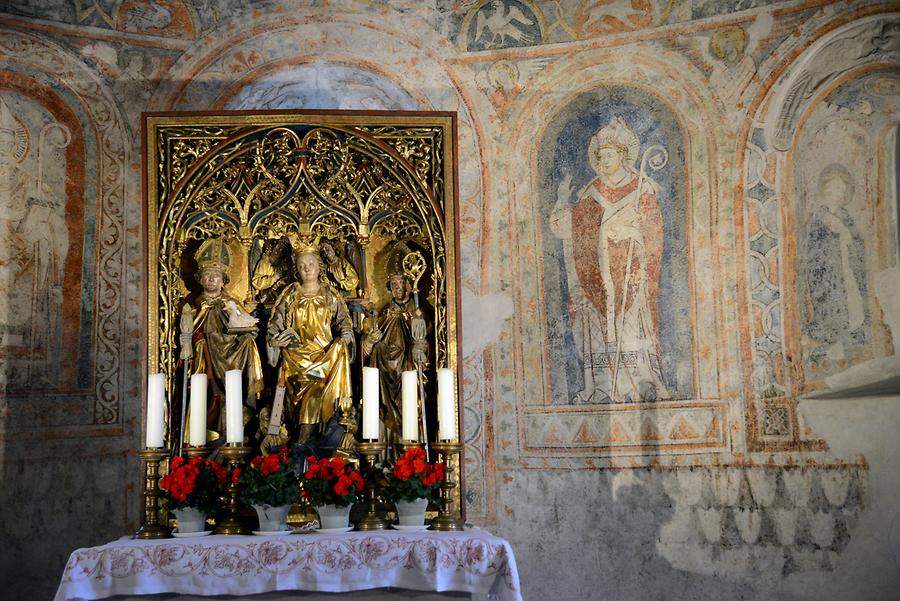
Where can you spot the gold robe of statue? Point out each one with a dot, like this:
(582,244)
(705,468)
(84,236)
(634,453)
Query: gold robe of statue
(316,366)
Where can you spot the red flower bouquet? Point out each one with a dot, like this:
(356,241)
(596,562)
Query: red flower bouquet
(414,478)
(193,483)
(332,482)
(270,480)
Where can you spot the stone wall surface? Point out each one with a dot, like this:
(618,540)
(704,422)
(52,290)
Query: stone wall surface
(678,218)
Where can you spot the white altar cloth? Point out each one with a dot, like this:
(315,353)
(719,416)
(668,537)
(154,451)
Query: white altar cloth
(472,561)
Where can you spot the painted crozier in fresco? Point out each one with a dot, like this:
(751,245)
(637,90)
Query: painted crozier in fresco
(614,250)
(35,243)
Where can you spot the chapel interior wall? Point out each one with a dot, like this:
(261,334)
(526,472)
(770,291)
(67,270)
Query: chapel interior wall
(711,466)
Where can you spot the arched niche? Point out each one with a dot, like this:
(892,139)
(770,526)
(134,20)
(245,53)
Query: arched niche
(64,202)
(824,138)
(871,40)
(841,171)
(404,61)
(550,158)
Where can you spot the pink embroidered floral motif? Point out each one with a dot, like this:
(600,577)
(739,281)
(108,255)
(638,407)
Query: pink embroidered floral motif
(373,552)
(270,554)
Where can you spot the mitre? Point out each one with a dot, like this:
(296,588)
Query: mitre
(616,135)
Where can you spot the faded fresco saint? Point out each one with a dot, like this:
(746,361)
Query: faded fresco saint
(34,242)
(615,232)
(846,261)
(837,312)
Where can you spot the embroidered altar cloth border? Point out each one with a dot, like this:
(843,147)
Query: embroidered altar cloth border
(472,561)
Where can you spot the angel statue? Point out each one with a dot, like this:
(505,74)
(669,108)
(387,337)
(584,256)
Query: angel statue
(341,273)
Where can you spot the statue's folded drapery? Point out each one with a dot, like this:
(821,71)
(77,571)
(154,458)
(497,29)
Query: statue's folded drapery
(216,350)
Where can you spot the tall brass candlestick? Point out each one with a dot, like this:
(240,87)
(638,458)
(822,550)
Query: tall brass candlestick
(370,451)
(444,519)
(151,527)
(234,454)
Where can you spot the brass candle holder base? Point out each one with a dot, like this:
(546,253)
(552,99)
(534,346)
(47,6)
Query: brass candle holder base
(411,444)
(370,451)
(446,521)
(301,514)
(152,528)
(233,453)
(197,452)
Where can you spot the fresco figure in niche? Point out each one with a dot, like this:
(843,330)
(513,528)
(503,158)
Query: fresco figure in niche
(615,231)
(218,335)
(310,340)
(837,313)
(34,242)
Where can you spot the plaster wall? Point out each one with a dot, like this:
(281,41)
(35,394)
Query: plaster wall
(706,467)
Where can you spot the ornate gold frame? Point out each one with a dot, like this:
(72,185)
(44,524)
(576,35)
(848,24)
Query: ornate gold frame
(252,176)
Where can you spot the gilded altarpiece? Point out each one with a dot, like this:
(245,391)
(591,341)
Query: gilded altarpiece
(378,189)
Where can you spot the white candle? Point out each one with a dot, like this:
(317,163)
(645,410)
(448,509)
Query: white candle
(410,405)
(197,436)
(446,404)
(370,396)
(234,414)
(156,407)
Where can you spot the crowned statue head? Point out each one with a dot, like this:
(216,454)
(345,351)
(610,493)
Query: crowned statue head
(306,245)
(308,258)
(613,148)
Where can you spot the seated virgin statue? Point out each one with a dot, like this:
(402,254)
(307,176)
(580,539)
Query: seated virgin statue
(309,340)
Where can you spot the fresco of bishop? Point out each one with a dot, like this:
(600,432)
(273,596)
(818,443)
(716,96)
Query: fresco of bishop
(613,234)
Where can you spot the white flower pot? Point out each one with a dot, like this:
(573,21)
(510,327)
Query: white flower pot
(272,519)
(411,513)
(189,519)
(332,516)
